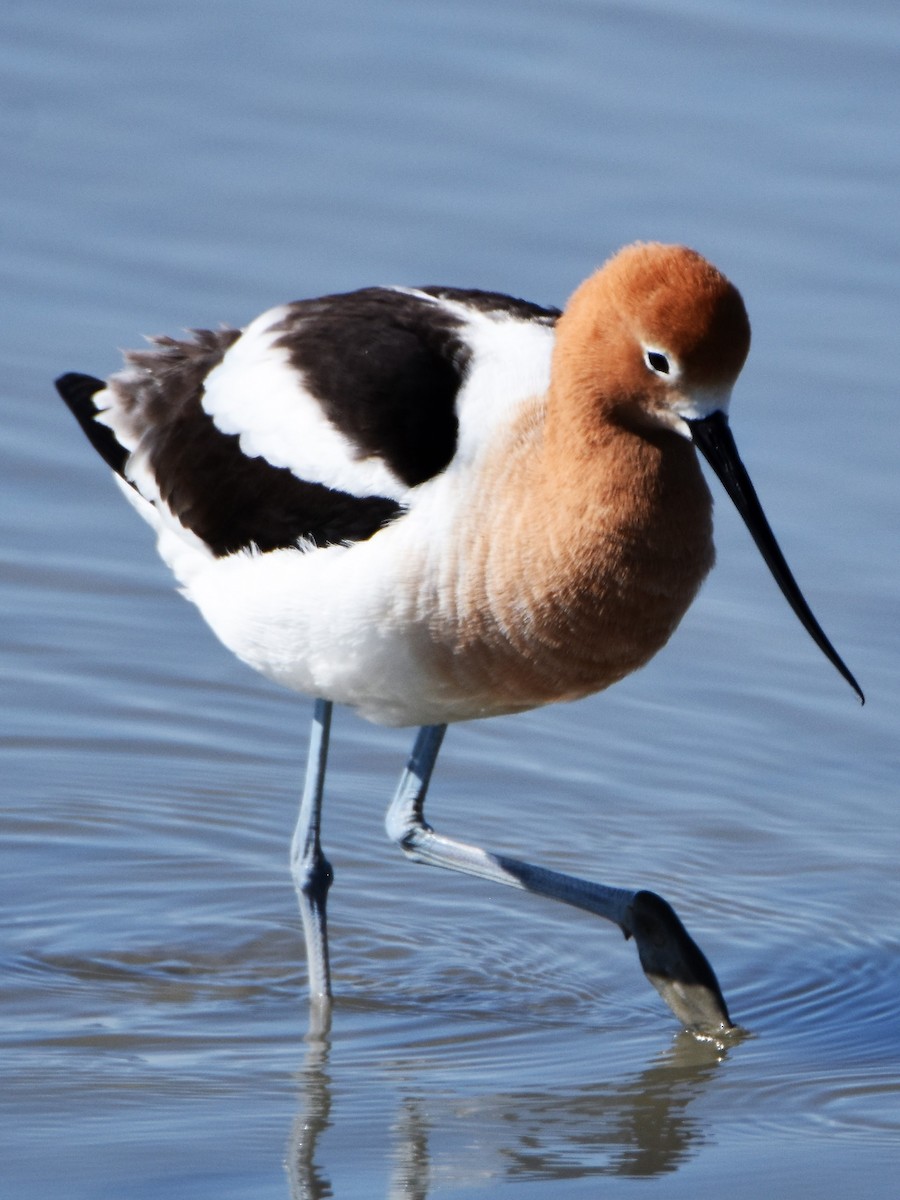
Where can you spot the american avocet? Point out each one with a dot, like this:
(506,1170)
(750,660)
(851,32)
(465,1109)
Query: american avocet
(433,504)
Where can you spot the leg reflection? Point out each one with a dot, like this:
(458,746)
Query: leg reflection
(307,1180)
(411,1169)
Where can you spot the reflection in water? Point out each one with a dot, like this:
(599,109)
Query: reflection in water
(307,1180)
(639,1128)
(411,1170)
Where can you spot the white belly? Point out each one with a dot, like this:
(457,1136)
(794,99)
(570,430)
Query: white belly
(357,625)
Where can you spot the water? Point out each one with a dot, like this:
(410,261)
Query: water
(168,165)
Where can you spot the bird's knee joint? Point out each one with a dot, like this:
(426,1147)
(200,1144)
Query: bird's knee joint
(315,878)
(405,828)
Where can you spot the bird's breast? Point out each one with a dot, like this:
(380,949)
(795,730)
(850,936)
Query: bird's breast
(559,583)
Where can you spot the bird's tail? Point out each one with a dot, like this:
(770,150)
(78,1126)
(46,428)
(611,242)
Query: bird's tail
(182,550)
(79,391)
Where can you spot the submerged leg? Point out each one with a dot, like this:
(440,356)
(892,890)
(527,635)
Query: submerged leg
(671,960)
(310,868)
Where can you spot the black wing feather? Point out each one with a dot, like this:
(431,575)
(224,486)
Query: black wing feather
(78,391)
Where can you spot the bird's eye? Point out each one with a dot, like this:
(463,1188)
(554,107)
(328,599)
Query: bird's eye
(657,361)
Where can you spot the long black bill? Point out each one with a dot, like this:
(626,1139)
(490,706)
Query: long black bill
(713,439)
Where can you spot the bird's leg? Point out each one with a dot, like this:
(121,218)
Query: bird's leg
(310,868)
(671,960)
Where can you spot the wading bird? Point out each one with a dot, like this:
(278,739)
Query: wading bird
(433,504)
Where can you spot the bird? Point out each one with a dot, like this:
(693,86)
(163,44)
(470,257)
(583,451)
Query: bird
(437,504)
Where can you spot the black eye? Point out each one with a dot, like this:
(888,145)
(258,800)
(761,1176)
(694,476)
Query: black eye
(657,362)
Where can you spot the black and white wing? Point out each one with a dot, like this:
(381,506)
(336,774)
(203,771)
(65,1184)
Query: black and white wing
(312,425)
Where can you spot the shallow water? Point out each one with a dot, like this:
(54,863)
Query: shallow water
(169,165)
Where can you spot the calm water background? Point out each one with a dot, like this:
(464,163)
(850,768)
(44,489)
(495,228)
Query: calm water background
(168,165)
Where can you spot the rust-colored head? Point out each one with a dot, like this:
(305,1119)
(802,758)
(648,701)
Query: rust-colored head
(658,332)
(653,341)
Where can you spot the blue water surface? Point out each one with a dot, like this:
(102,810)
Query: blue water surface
(167,166)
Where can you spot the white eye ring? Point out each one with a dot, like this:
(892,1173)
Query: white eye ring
(659,363)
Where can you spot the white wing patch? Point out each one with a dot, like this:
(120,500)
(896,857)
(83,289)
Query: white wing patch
(255,392)
(510,364)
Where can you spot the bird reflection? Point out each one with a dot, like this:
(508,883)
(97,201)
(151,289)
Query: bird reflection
(411,1165)
(637,1127)
(307,1180)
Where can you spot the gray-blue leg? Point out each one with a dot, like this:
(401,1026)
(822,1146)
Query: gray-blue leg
(310,868)
(671,960)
